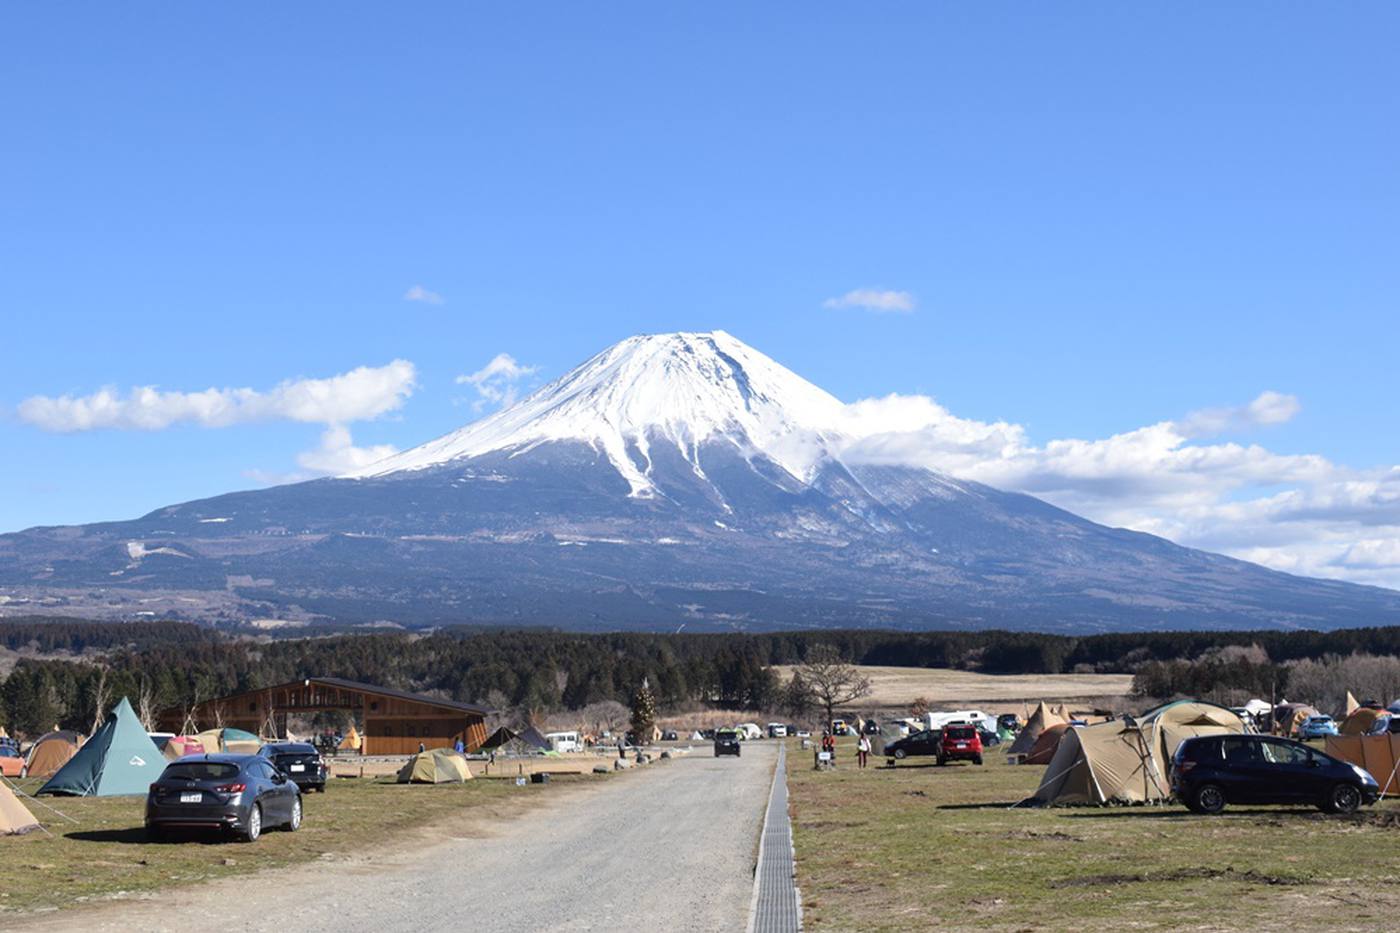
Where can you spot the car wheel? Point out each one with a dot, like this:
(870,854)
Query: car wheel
(1208,798)
(294,821)
(977,760)
(254,828)
(1343,798)
(899,753)
(942,761)
(155,833)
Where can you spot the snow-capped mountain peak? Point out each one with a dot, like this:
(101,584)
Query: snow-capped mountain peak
(680,389)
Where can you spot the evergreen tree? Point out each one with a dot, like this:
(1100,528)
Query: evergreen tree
(643,713)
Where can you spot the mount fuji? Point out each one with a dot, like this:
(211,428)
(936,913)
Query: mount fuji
(671,479)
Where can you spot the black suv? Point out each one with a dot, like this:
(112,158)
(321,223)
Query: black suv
(300,762)
(240,794)
(726,742)
(1210,771)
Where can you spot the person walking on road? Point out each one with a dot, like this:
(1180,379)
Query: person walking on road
(863,750)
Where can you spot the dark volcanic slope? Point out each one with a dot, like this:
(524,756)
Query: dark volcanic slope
(550,536)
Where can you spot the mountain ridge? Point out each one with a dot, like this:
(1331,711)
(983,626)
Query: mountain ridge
(676,479)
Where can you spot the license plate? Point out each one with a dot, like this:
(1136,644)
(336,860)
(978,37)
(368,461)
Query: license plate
(191,798)
(298,767)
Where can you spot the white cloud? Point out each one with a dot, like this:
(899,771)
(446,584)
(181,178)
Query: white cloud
(357,395)
(498,382)
(338,454)
(1268,408)
(1296,512)
(879,300)
(419,293)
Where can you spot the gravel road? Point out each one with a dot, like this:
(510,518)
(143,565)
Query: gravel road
(669,847)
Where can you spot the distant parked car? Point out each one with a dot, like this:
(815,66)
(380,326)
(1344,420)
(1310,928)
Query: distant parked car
(803,733)
(777,730)
(707,733)
(988,737)
(300,762)
(838,727)
(925,742)
(238,794)
(872,727)
(1009,721)
(1315,727)
(960,742)
(1209,772)
(669,735)
(11,763)
(727,742)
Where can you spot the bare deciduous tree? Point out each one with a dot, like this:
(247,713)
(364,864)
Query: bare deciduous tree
(101,694)
(832,681)
(146,705)
(919,707)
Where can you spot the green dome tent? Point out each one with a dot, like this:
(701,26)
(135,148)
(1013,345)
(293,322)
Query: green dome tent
(119,759)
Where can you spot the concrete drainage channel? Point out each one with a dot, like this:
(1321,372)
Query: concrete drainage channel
(775,907)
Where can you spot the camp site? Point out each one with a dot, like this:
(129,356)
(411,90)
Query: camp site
(1010,789)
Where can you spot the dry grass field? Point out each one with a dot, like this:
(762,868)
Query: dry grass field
(895,687)
(920,847)
(105,854)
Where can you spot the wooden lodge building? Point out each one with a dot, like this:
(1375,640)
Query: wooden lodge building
(391,722)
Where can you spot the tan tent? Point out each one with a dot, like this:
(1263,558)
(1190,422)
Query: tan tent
(1127,762)
(1044,748)
(1289,716)
(1040,720)
(1378,754)
(351,742)
(231,741)
(1352,705)
(1364,721)
(14,816)
(51,752)
(439,766)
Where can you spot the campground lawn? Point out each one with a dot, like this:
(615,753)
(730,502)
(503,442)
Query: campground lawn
(105,853)
(923,847)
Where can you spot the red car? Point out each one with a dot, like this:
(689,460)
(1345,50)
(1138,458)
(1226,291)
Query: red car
(960,743)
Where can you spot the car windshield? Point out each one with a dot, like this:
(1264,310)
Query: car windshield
(201,771)
(960,732)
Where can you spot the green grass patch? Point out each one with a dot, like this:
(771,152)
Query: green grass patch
(105,853)
(918,846)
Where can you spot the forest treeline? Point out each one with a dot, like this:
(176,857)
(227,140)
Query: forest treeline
(172,664)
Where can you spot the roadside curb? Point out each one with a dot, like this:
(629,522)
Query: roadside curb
(776,906)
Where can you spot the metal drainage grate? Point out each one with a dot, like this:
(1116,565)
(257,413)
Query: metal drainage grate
(776,908)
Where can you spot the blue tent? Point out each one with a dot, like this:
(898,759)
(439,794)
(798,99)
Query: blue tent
(119,759)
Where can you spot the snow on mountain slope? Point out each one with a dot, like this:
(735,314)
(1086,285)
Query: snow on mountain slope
(683,389)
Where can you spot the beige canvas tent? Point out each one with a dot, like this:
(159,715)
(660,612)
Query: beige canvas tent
(1365,721)
(351,741)
(1043,718)
(1127,761)
(1378,754)
(1289,716)
(1044,748)
(14,816)
(232,741)
(50,752)
(439,766)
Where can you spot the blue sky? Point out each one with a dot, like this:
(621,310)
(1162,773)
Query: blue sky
(1105,218)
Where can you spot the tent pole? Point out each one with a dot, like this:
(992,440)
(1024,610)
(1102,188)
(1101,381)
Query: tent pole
(40,803)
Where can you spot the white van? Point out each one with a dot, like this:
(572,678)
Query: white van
(777,730)
(937,720)
(563,741)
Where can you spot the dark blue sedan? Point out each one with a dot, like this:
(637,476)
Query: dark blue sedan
(1211,771)
(238,794)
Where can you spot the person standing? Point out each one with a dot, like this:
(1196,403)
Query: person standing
(863,749)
